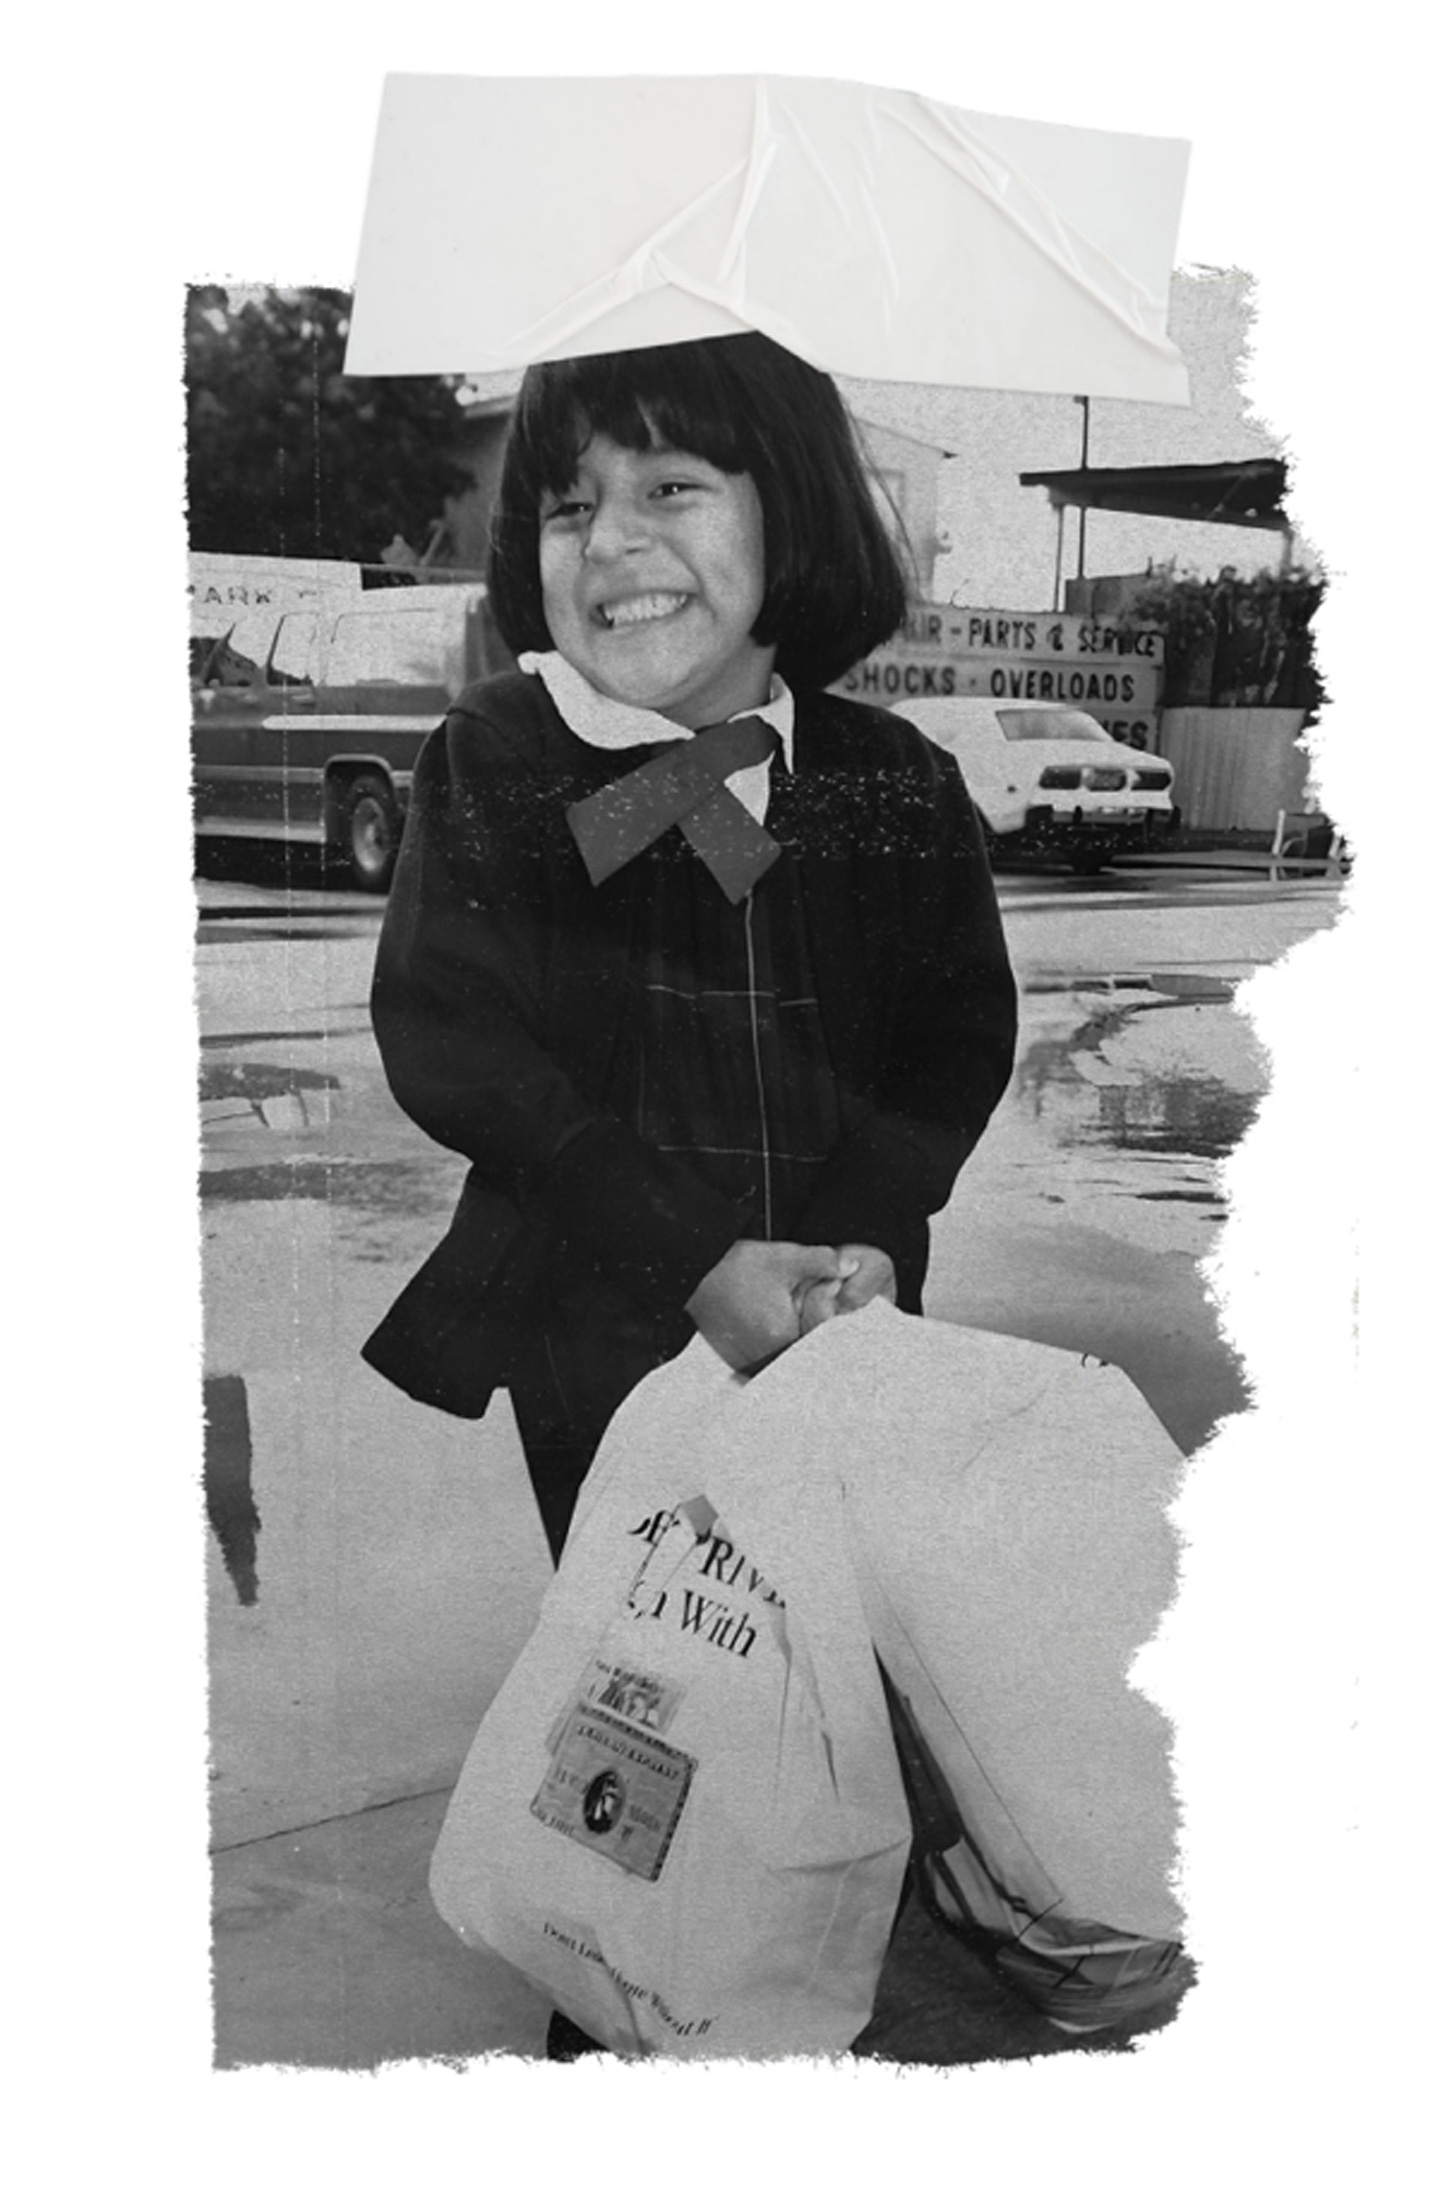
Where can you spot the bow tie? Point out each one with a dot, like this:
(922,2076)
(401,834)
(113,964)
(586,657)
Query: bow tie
(685,785)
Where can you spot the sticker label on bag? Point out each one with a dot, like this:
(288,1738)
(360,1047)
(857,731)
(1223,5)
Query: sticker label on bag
(635,1694)
(616,1790)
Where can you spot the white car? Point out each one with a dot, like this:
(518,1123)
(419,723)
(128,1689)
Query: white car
(1047,778)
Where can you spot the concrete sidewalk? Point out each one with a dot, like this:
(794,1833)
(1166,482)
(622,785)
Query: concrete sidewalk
(399,1564)
(328,1952)
(375,1567)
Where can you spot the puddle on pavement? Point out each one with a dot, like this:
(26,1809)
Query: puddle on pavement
(1080,1084)
(1052,986)
(377,1191)
(1196,989)
(1176,1196)
(1193,989)
(226,1078)
(229,1498)
(221,926)
(232,1038)
(1177,1115)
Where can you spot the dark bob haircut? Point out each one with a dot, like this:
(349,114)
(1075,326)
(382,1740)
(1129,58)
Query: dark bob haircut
(835,584)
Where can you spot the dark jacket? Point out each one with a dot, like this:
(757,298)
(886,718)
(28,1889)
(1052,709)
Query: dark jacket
(498,988)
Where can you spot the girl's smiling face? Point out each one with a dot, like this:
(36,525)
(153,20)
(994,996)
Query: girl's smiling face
(652,572)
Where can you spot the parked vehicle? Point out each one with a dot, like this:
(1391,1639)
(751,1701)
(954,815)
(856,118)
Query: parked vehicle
(1047,778)
(307,721)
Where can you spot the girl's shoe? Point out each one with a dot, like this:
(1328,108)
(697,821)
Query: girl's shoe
(564,2041)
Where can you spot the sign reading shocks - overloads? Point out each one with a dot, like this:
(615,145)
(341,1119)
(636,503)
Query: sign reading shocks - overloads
(1111,671)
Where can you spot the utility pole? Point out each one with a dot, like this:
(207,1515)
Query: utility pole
(1084,403)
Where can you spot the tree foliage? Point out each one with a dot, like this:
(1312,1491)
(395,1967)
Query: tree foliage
(288,456)
(1233,642)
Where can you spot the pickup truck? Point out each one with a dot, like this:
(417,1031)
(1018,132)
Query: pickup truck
(307,721)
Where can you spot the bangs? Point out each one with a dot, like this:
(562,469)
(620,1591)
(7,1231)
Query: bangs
(671,396)
(834,584)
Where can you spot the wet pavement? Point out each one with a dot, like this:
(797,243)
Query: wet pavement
(376,1566)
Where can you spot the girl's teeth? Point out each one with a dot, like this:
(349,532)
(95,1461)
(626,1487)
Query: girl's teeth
(642,609)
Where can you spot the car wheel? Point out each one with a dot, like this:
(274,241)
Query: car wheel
(369,832)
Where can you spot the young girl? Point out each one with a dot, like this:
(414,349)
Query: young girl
(715,1014)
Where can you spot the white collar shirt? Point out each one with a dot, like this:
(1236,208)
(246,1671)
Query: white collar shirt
(615,725)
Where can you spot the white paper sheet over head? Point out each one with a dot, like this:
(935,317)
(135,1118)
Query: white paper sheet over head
(875,233)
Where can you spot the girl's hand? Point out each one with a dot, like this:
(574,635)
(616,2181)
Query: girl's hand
(872,1274)
(863,1274)
(748,1306)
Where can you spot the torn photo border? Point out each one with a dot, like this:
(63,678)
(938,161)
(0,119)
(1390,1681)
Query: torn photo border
(258,227)
(602,330)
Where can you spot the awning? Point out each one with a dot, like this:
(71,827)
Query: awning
(1247,493)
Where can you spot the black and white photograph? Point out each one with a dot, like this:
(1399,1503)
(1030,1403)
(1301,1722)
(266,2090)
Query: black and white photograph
(759,870)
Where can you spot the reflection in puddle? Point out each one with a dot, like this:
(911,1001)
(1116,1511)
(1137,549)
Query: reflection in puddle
(229,1495)
(1049,1063)
(1176,1196)
(279,932)
(1202,989)
(1194,1115)
(232,1039)
(1052,986)
(1196,989)
(368,1200)
(1138,1073)
(224,1078)
(397,1186)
